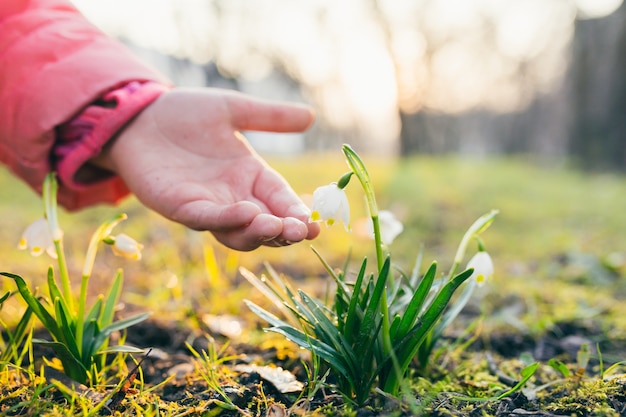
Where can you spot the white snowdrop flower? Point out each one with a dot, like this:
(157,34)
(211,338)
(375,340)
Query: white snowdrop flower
(330,204)
(483,267)
(37,239)
(126,246)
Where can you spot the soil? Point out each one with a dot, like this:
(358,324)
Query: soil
(563,342)
(252,395)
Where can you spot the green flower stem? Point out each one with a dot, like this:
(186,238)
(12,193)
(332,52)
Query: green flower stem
(479,226)
(99,235)
(378,242)
(358,167)
(50,188)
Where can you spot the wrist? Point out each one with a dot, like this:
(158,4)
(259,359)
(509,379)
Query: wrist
(83,148)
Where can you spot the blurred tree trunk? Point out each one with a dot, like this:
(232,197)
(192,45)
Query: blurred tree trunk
(598,91)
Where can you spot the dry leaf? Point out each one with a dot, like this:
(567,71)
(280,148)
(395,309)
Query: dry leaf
(283,381)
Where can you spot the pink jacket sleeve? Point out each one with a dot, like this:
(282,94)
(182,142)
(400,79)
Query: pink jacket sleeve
(53,65)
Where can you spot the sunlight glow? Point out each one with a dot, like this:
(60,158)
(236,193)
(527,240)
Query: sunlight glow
(592,9)
(360,62)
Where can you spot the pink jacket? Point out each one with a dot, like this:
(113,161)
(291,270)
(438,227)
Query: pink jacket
(65,89)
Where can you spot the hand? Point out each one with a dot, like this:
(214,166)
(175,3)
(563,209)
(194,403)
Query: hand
(183,156)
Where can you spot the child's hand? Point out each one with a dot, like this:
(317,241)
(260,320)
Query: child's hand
(183,156)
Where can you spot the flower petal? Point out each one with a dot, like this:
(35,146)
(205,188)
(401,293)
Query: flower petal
(127,247)
(483,267)
(37,239)
(330,204)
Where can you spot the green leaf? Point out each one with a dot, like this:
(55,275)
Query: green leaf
(95,311)
(372,310)
(71,366)
(55,293)
(323,350)
(5,297)
(122,349)
(455,310)
(526,374)
(355,316)
(16,337)
(69,337)
(103,334)
(38,309)
(91,330)
(265,315)
(415,305)
(270,291)
(367,292)
(408,347)
(395,324)
(325,330)
(111,300)
(125,323)
(559,366)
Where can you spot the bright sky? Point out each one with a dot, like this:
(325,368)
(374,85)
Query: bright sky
(359,66)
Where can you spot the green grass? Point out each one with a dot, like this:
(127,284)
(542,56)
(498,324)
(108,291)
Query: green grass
(545,213)
(558,244)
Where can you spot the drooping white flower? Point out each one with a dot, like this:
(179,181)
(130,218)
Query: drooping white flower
(390,227)
(483,267)
(37,239)
(330,204)
(126,246)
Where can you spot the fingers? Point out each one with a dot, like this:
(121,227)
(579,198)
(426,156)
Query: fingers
(242,226)
(253,114)
(280,199)
(205,215)
(265,230)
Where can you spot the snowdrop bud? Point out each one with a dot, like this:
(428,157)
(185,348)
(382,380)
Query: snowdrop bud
(37,239)
(127,247)
(330,204)
(483,267)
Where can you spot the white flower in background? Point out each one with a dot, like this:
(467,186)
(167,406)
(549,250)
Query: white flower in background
(126,246)
(37,239)
(483,267)
(390,227)
(330,204)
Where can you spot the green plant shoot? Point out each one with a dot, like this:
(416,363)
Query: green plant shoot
(79,334)
(377,324)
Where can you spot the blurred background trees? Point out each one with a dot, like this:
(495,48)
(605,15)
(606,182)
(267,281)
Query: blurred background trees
(540,77)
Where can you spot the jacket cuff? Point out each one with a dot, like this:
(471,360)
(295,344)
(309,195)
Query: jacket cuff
(82,138)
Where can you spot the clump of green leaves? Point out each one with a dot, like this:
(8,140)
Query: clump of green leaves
(378,323)
(80,335)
